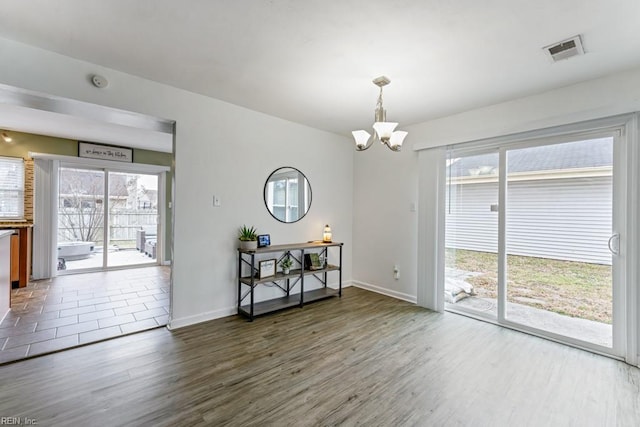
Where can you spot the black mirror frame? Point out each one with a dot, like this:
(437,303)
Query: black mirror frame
(264,190)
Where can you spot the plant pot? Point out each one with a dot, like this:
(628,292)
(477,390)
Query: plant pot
(248,245)
(286,271)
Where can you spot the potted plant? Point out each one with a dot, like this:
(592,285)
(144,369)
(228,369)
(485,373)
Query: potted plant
(248,237)
(286,264)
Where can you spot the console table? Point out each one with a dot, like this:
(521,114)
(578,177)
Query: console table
(248,278)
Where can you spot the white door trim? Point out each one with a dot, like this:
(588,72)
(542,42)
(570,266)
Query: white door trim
(45,263)
(628,300)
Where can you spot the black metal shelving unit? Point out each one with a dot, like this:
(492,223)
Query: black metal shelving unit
(248,280)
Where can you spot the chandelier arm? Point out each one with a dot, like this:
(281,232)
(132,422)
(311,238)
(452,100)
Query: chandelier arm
(367,146)
(396,148)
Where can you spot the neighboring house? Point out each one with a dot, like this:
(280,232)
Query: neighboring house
(559,202)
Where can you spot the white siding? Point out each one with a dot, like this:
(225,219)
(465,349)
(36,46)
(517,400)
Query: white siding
(565,219)
(470,222)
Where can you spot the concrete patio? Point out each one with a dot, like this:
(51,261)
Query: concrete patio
(116,257)
(582,329)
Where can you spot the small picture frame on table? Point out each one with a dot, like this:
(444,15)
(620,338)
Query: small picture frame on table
(264,240)
(266,268)
(312,262)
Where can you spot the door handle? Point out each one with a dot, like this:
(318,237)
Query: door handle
(609,243)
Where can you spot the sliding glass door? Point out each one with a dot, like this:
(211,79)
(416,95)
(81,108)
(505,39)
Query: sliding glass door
(133,219)
(471,269)
(81,218)
(533,238)
(106,219)
(559,223)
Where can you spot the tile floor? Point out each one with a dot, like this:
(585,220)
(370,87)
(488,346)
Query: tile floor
(71,310)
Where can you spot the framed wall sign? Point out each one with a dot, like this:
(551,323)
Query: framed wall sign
(266,268)
(105,152)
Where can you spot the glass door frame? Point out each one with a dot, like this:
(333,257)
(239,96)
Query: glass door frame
(624,313)
(105,210)
(106,205)
(619,209)
(468,152)
(109,166)
(107,228)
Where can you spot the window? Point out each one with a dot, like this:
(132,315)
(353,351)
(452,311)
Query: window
(11,188)
(283,195)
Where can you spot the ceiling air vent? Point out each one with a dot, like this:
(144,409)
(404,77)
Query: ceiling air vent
(565,49)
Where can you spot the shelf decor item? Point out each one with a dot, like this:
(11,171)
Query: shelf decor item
(326,235)
(312,261)
(266,268)
(286,264)
(264,240)
(248,237)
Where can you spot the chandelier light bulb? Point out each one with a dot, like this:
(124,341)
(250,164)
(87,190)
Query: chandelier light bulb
(361,137)
(396,140)
(384,130)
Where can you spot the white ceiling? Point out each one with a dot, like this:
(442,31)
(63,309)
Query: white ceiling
(312,61)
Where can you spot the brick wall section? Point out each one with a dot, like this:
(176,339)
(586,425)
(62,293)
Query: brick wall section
(29,184)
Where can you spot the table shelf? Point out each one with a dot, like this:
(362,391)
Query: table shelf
(247,259)
(276,304)
(294,273)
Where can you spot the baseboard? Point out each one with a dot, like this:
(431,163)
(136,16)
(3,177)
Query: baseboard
(345,284)
(202,317)
(388,292)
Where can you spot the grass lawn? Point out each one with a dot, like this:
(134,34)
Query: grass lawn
(570,288)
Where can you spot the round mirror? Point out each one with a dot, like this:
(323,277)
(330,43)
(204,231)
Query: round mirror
(287,194)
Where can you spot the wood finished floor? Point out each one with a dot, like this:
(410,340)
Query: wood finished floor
(364,359)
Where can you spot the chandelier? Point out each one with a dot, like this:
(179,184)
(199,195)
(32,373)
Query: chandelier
(383,130)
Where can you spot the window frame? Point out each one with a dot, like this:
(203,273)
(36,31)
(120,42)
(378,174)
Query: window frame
(20,215)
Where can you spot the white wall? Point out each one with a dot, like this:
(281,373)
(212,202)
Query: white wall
(221,149)
(385,183)
(603,97)
(384,226)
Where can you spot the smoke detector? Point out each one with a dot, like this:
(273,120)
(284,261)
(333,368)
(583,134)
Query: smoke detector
(565,49)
